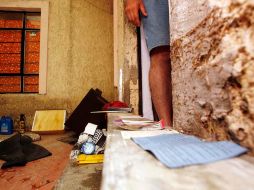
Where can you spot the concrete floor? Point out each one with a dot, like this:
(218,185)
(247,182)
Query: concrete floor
(45,173)
(85,177)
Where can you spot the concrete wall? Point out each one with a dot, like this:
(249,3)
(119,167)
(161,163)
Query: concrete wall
(92,48)
(80,57)
(213,69)
(125,57)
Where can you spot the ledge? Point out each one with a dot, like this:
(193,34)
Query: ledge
(126,166)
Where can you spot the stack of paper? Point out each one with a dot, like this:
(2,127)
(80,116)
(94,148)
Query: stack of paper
(136,123)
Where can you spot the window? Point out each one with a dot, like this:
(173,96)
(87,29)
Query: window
(19,51)
(23,46)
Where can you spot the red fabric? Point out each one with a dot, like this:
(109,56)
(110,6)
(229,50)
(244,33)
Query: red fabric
(115,104)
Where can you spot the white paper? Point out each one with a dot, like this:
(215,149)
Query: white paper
(136,122)
(90,128)
(130,117)
(133,134)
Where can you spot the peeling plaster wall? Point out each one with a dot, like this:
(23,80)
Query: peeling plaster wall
(80,56)
(125,37)
(213,69)
(130,68)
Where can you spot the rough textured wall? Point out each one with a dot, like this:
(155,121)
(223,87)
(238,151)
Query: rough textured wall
(213,69)
(130,67)
(185,15)
(126,56)
(80,56)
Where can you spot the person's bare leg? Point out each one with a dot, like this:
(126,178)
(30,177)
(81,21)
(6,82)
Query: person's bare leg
(160,83)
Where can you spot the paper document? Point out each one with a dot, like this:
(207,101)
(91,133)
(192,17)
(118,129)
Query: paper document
(144,122)
(178,150)
(132,134)
(139,123)
(130,117)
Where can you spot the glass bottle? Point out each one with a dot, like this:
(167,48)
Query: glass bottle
(22,123)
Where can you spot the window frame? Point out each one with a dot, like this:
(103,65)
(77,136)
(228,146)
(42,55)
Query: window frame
(43,8)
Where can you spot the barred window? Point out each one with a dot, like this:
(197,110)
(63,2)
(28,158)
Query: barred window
(19,51)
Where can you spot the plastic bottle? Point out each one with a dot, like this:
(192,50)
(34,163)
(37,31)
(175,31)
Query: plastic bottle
(6,125)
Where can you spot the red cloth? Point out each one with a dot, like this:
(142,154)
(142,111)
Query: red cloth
(115,104)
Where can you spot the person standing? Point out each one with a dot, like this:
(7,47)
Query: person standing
(154,15)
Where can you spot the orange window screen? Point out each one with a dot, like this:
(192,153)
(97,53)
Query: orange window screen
(32,55)
(33,20)
(11,20)
(31,84)
(10,84)
(19,51)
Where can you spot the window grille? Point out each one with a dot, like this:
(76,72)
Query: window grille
(19,51)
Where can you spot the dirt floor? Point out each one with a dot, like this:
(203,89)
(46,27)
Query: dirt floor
(40,174)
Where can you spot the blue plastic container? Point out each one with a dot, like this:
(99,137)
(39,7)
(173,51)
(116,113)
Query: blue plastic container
(6,125)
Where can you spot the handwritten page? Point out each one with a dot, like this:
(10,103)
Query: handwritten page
(178,150)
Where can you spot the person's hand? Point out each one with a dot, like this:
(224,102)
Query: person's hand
(132,8)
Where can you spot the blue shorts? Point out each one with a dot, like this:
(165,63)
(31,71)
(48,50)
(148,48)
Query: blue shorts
(156,24)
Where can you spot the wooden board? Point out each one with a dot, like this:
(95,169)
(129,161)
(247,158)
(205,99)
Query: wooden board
(49,121)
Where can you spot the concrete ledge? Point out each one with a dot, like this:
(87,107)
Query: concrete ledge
(126,166)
